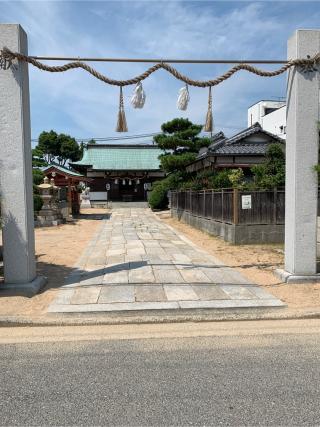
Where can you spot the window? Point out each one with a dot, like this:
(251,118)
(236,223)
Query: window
(269,110)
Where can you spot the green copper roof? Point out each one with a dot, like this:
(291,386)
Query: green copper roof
(121,157)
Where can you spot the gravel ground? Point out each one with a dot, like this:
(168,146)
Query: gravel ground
(57,250)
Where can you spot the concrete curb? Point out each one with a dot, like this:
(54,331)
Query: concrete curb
(29,289)
(286,277)
(152,317)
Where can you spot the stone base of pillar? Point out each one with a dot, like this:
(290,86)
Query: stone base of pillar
(287,277)
(48,222)
(49,217)
(24,289)
(85,204)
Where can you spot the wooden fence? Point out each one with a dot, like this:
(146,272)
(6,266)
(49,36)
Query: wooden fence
(232,206)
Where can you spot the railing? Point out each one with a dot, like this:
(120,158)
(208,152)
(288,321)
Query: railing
(232,206)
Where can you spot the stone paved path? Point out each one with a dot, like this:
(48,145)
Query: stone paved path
(137,262)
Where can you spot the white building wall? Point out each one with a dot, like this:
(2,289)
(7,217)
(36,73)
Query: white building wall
(274,122)
(98,195)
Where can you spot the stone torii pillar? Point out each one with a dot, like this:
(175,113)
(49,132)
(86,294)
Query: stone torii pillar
(302,146)
(16,190)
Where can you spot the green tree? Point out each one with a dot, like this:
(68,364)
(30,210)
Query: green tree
(271,173)
(69,149)
(55,147)
(176,162)
(180,142)
(48,145)
(38,159)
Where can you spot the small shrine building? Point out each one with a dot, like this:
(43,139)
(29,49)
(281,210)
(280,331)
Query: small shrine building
(70,180)
(120,172)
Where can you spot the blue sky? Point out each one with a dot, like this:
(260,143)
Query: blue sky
(77,104)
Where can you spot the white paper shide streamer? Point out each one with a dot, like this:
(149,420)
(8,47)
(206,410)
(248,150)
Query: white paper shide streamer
(183,98)
(139,97)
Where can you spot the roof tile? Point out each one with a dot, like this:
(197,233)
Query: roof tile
(108,157)
(62,169)
(243,149)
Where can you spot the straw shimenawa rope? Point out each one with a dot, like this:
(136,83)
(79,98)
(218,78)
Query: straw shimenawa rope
(208,126)
(7,56)
(122,122)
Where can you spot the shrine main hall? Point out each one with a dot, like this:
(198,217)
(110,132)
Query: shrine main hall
(120,172)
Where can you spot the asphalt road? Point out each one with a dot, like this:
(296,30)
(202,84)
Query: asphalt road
(237,378)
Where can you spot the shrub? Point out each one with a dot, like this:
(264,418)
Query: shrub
(158,198)
(37,176)
(37,202)
(208,179)
(220,179)
(236,177)
(192,184)
(271,173)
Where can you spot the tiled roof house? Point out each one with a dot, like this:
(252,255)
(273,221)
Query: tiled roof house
(244,149)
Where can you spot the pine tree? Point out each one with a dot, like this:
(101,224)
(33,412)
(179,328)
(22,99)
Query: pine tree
(181,143)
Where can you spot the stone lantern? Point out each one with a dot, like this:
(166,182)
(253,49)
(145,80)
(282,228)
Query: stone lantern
(55,196)
(85,197)
(49,213)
